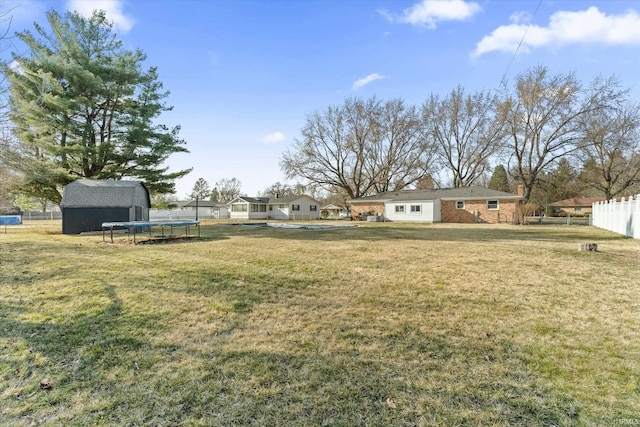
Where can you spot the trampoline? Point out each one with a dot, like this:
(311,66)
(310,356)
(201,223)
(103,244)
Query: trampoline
(10,220)
(135,227)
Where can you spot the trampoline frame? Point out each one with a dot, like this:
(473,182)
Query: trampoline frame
(135,225)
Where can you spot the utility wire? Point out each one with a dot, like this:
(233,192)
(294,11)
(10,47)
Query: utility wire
(504,76)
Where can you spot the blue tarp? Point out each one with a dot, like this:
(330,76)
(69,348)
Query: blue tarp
(10,220)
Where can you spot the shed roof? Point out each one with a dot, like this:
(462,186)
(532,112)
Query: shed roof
(462,193)
(101,193)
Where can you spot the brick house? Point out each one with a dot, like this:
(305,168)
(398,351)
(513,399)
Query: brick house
(575,205)
(453,205)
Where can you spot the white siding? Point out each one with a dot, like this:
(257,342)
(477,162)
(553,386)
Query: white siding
(429,211)
(278,212)
(437,215)
(305,204)
(248,215)
(220,213)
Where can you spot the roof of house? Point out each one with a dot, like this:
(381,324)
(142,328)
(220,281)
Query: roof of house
(462,193)
(101,193)
(577,201)
(288,199)
(332,207)
(247,199)
(204,204)
(271,200)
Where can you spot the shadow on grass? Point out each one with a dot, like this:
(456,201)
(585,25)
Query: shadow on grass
(103,368)
(48,363)
(444,385)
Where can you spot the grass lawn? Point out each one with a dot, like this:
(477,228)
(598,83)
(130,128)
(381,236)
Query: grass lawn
(383,324)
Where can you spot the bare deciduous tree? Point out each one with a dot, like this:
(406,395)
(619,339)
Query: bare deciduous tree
(611,153)
(403,154)
(361,147)
(542,117)
(466,131)
(228,189)
(278,189)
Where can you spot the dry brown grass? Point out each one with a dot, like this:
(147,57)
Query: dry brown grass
(385,324)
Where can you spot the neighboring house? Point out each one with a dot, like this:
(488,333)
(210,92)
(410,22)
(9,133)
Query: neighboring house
(332,211)
(87,203)
(291,207)
(457,205)
(575,205)
(209,209)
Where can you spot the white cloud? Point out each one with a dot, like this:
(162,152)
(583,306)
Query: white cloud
(273,137)
(20,12)
(521,17)
(113,8)
(565,28)
(428,13)
(366,80)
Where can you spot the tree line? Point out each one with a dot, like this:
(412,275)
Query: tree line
(227,189)
(539,124)
(81,105)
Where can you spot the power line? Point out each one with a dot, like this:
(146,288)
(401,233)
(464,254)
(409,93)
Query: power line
(504,76)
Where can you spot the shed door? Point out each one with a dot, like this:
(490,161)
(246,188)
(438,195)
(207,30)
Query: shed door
(79,220)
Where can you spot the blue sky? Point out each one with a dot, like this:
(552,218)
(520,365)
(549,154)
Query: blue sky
(243,75)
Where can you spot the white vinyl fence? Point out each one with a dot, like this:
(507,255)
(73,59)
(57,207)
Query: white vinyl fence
(622,217)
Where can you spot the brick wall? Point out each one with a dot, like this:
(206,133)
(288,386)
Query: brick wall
(375,207)
(507,212)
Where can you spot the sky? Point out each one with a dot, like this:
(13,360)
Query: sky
(244,75)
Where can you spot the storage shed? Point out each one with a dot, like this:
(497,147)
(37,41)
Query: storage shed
(87,203)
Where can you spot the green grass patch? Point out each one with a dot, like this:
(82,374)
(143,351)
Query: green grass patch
(384,324)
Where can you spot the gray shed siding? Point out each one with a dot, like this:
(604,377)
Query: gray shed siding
(86,204)
(79,220)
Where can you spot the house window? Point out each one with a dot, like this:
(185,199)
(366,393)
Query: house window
(492,204)
(239,208)
(313,208)
(578,208)
(460,204)
(281,206)
(258,208)
(295,207)
(415,208)
(399,208)
(270,208)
